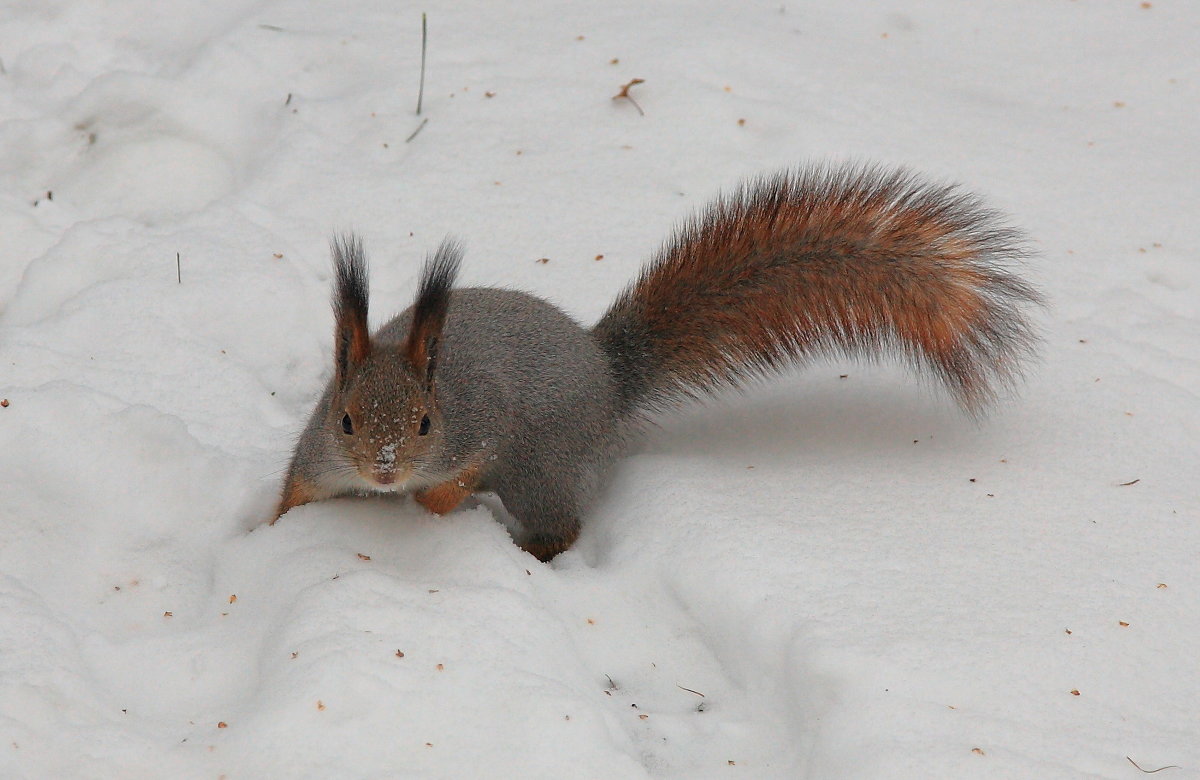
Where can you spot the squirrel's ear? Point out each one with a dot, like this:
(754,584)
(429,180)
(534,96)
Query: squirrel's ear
(352,340)
(429,312)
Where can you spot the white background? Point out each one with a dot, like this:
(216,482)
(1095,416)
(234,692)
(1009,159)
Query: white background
(861,582)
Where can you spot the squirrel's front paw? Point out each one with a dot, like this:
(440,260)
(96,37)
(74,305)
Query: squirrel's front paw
(442,499)
(296,492)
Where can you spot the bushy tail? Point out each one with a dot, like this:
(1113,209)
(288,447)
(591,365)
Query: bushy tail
(825,261)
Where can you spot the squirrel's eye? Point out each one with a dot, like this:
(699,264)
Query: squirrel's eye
(347,426)
(424,426)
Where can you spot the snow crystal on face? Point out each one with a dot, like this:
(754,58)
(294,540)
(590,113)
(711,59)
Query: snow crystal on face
(387,455)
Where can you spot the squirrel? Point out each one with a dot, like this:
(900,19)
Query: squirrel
(484,389)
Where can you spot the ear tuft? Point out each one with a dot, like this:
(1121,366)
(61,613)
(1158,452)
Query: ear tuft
(352,340)
(429,312)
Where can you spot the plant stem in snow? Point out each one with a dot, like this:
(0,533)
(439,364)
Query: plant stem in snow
(421,88)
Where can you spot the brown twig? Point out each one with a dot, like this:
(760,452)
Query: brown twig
(1150,771)
(689,690)
(424,122)
(624,93)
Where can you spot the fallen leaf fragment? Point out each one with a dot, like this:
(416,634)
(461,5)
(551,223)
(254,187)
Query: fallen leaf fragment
(1074,691)
(362,557)
(320,705)
(399,654)
(222,724)
(624,93)
(978,751)
(233,598)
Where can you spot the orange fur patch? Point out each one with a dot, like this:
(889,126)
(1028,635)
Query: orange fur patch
(296,493)
(444,498)
(360,340)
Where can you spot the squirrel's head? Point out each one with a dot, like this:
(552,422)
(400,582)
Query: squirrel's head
(384,413)
(385,418)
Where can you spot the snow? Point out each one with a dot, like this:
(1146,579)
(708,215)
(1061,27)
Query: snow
(823,577)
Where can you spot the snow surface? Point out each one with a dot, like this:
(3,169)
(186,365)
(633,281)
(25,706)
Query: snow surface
(823,578)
